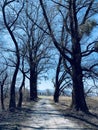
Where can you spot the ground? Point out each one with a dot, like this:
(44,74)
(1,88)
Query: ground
(89,121)
(45,114)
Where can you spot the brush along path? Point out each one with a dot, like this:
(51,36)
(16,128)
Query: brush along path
(45,116)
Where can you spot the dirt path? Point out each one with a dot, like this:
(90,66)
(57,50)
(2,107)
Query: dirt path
(45,116)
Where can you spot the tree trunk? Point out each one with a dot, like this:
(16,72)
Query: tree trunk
(78,98)
(2,96)
(33,84)
(19,105)
(57,84)
(12,103)
(56,94)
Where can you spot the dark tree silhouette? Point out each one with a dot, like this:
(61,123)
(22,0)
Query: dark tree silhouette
(73,55)
(12,104)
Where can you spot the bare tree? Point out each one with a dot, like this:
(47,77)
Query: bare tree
(8,8)
(35,42)
(62,79)
(70,12)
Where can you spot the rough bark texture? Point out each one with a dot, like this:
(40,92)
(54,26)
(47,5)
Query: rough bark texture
(78,98)
(12,104)
(19,105)
(33,83)
(56,94)
(2,96)
(57,84)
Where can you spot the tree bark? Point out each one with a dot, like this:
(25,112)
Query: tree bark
(78,98)
(57,84)
(12,103)
(2,96)
(19,105)
(56,94)
(33,83)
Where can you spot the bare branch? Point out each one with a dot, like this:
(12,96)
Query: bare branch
(52,35)
(18,13)
(87,11)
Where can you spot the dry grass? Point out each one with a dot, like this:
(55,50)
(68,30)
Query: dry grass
(11,120)
(89,121)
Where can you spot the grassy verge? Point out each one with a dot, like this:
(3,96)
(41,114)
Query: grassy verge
(11,120)
(89,121)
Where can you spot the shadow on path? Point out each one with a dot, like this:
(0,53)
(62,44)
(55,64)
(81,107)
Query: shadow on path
(84,120)
(43,115)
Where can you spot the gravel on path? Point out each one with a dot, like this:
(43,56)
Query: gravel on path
(44,116)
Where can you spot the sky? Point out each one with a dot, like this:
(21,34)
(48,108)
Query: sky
(45,85)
